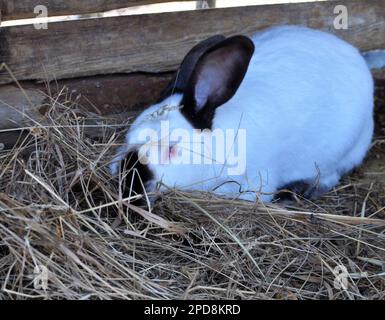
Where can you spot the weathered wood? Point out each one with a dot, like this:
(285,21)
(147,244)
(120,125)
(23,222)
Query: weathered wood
(117,97)
(18,107)
(112,94)
(156,43)
(23,9)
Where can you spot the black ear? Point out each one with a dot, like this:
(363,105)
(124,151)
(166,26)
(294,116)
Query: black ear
(215,79)
(182,76)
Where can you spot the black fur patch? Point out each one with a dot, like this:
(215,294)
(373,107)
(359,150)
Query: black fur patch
(135,175)
(199,120)
(307,190)
(222,69)
(182,76)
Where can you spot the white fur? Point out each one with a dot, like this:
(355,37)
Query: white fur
(307,105)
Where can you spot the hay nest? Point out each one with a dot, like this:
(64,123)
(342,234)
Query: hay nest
(63,220)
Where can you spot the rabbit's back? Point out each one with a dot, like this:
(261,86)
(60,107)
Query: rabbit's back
(296,69)
(306,102)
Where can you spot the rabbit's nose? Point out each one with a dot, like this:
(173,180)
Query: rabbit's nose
(168,153)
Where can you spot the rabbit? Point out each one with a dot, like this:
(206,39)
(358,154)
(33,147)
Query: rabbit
(302,99)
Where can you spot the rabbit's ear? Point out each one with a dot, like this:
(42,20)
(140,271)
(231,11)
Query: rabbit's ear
(181,78)
(215,79)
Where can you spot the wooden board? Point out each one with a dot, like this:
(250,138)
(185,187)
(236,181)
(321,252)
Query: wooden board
(158,42)
(112,94)
(23,9)
(116,97)
(17,107)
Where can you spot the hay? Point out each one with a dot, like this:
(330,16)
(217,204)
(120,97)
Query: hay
(60,210)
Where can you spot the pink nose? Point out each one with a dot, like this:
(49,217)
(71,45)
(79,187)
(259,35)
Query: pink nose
(169,153)
(173,151)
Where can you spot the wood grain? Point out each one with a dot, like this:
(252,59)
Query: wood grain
(18,107)
(158,42)
(115,97)
(112,94)
(23,9)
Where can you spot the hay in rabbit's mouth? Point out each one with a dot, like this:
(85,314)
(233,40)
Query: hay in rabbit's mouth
(62,213)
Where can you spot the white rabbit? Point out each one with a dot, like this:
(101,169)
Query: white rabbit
(302,99)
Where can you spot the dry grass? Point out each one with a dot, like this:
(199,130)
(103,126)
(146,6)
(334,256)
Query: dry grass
(59,209)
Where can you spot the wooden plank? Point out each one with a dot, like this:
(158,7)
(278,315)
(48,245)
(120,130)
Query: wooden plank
(117,97)
(105,95)
(112,94)
(17,107)
(23,9)
(157,43)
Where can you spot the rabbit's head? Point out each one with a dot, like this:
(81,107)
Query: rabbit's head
(163,142)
